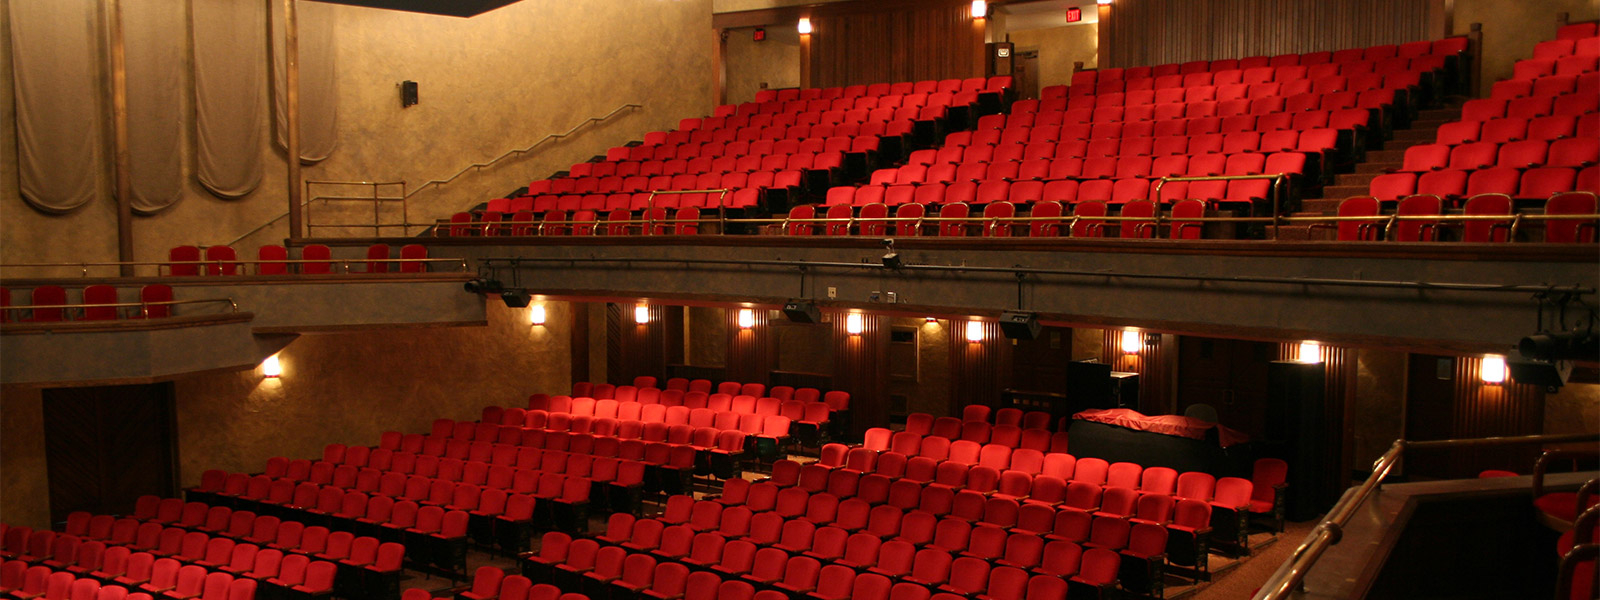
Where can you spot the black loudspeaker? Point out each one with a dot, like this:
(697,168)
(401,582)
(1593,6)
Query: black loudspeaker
(1089,385)
(408,94)
(801,311)
(1019,325)
(1297,433)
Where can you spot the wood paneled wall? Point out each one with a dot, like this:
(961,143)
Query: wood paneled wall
(749,355)
(978,370)
(1483,410)
(861,367)
(1339,370)
(1153,32)
(634,349)
(888,41)
(1156,365)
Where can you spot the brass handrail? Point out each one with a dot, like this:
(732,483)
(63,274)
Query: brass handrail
(437,182)
(1293,572)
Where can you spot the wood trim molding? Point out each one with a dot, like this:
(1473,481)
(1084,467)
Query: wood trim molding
(366,327)
(240,280)
(125,325)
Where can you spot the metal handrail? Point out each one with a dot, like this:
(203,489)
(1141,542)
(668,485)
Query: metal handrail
(1293,572)
(144,307)
(463,171)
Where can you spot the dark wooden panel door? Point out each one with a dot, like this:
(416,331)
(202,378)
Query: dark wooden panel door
(1040,364)
(106,446)
(1230,375)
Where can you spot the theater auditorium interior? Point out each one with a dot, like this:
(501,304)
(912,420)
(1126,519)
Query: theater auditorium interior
(799,299)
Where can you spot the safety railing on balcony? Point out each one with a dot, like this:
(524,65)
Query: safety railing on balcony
(218,269)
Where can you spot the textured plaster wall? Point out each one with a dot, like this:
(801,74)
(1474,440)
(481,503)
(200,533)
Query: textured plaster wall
(24,485)
(1511,28)
(1058,48)
(1575,409)
(351,387)
(1378,414)
(706,334)
(487,85)
(775,61)
(931,392)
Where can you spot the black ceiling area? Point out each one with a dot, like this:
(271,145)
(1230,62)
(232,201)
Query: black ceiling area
(450,8)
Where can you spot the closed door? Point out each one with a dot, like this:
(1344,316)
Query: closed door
(1025,76)
(106,446)
(1040,364)
(1229,375)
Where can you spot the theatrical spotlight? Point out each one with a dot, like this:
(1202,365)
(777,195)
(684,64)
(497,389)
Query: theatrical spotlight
(516,298)
(1545,359)
(483,285)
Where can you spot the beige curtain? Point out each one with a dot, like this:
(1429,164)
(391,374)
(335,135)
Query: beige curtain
(154,41)
(55,55)
(318,105)
(229,84)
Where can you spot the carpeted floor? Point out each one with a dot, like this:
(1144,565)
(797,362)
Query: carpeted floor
(1241,582)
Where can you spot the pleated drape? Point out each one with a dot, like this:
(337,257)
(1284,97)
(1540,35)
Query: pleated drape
(55,54)
(153,31)
(229,79)
(318,71)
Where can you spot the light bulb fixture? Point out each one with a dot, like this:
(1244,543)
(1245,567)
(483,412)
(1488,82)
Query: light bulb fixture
(804,26)
(932,320)
(641,314)
(536,314)
(1131,343)
(1103,2)
(1310,352)
(747,318)
(272,369)
(1493,370)
(974,331)
(980,9)
(853,323)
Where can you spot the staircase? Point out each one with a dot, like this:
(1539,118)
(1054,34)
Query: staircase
(1422,130)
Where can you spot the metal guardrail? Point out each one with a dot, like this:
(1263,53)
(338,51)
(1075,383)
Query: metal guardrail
(1288,578)
(344,264)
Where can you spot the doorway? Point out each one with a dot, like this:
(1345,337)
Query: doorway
(106,446)
(1229,375)
(1025,75)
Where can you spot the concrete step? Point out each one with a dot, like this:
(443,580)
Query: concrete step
(1360,179)
(1345,191)
(1375,168)
(1321,206)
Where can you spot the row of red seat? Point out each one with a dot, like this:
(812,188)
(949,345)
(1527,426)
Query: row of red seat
(1512,129)
(1525,154)
(1329,93)
(1448,47)
(955,220)
(1232,116)
(690,178)
(1546,85)
(155,303)
(1535,183)
(1418,228)
(829,564)
(929,86)
(836,400)
(1030,181)
(1530,107)
(699,157)
(1574,64)
(170,579)
(491,583)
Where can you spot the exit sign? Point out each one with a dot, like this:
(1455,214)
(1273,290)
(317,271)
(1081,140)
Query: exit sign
(1074,14)
(760,35)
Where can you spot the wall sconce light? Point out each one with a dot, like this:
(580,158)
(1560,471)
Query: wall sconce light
(932,320)
(804,26)
(1130,342)
(641,314)
(536,314)
(980,9)
(974,331)
(1493,370)
(1310,352)
(1103,2)
(853,323)
(747,318)
(272,369)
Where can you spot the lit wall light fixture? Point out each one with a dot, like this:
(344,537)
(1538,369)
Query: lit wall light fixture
(1131,342)
(747,318)
(853,323)
(1310,352)
(933,319)
(1493,370)
(1103,2)
(804,26)
(272,369)
(641,314)
(536,314)
(974,331)
(980,9)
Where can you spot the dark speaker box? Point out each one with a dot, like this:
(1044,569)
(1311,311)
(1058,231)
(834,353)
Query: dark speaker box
(1019,325)
(801,311)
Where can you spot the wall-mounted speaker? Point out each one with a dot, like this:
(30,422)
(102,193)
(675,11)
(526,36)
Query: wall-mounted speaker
(802,311)
(1018,325)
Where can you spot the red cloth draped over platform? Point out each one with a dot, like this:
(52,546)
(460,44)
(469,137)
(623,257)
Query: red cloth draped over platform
(1166,424)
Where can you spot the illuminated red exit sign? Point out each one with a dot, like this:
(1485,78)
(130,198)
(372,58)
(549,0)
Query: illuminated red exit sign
(1074,14)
